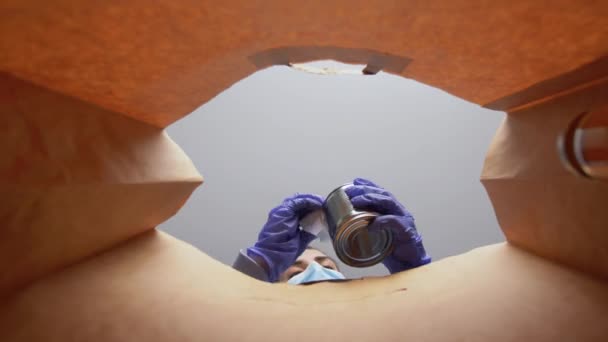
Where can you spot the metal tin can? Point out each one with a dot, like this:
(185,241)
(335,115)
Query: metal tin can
(353,243)
(583,147)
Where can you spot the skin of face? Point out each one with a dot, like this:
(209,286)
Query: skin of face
(304,260)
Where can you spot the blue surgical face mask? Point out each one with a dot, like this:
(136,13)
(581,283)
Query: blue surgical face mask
(315,272)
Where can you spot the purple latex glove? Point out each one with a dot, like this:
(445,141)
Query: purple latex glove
(281,240)
(408,251)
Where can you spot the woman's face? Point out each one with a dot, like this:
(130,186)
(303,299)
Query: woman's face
(306,259)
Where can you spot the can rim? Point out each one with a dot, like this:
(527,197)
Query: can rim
(342,235)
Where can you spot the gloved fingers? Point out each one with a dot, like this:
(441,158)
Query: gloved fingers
(297,205)
(302,196)
(305,239)
(379,203)
(358,190)
(363,181)
(303,204)
(414,253)
(402,228)
(277,232)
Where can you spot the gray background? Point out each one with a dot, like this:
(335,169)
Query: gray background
(282,131)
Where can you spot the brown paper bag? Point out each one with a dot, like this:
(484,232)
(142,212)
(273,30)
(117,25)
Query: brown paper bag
(158,289)
(78,179)
(539,204)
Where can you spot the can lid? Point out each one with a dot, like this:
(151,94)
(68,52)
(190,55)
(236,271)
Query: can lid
(356,246)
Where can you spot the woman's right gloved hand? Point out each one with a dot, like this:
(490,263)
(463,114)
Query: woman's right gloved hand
(281,240)
(408,251)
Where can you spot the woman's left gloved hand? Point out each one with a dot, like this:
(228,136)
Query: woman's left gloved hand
(281,240)
(408,251)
